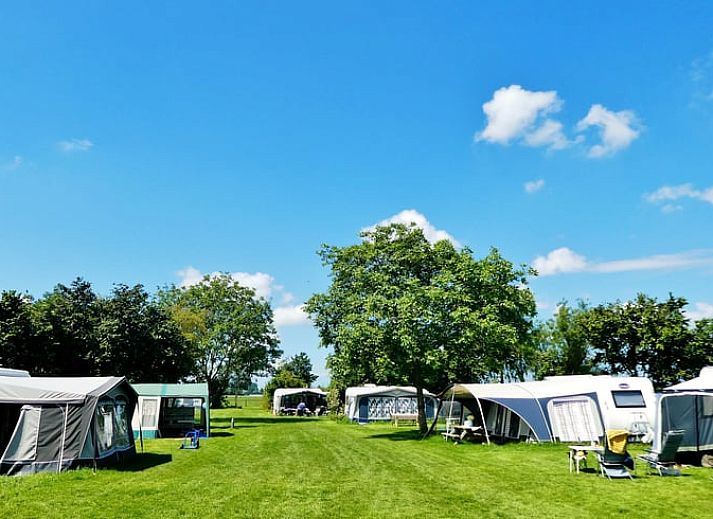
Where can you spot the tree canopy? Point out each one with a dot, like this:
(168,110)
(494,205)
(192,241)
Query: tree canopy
(72,331)
(401,310)
(230,330)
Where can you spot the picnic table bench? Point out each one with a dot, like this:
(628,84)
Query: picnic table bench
(404,417)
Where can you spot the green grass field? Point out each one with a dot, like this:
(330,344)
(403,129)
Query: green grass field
(316,467)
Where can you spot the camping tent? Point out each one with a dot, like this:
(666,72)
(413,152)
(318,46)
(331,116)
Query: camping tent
(53,424)
(688,406)
(375,403)
(171,409)
(565,408)
(286,399)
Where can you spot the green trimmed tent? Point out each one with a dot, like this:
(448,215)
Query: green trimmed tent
(170,410)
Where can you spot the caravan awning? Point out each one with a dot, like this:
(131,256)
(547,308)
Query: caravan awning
(511,396)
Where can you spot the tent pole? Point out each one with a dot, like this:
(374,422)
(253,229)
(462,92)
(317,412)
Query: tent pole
(482,417)
(64,438)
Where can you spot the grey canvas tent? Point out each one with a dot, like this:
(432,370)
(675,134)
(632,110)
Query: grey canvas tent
(688,406)
(53,424)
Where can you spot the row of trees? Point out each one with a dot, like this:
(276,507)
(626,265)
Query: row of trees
(643,337)
(216,332)
(402,310)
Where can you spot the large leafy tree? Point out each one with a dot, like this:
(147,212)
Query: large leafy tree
(564,348)
(19,345)
(138,338)
(66,321)
(643,337)
(230,330)
(301,367)
(401,310)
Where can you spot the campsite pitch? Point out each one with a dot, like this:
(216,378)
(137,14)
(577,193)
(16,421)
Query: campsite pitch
(276,467)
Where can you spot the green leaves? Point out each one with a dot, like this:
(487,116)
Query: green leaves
(230,331)
(401,310)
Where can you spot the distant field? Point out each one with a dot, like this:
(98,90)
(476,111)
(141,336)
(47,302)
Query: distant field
(277,467)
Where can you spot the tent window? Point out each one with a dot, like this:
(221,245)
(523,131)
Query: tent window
(149,413)
(707,406)
(628,399)
(23,445)
(121,422)
(105,425)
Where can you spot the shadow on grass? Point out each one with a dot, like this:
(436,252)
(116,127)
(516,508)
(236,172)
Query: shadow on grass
(276,419)
(221,434)
(397,436)
(143,461)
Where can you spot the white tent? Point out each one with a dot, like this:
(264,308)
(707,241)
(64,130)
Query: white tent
(688,406)
(566,408)
(375,403)
(288,398)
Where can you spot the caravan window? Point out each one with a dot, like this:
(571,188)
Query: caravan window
(628,399)
(149,413)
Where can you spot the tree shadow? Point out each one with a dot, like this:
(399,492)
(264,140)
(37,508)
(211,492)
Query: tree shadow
(397,436)
(221,434)
(143,461)
(277,419)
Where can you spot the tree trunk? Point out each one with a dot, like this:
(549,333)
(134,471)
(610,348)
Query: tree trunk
(421,404)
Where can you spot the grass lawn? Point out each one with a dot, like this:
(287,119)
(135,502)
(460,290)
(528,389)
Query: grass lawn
(315,467)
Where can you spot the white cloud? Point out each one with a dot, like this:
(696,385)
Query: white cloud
(565,260)
(559,261)
(512,113)
(290,316)
(549,134)
(264,286)
(189,276)
(262,283)
(671,193)
(409,216)
(75,145)
(701,311)
(617,130)
(534,185)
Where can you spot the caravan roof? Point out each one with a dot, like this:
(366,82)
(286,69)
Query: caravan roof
(370,389)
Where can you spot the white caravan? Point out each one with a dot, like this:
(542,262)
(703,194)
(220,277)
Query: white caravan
(569,408)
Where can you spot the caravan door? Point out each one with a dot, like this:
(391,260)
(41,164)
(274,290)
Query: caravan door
(575,419)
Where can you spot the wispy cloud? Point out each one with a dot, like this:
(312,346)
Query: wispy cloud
(515,114)
(73,145)
(701,74)
(409,216)
(564,260)
(534,186)
(13,164)
(617,130)
(668,194)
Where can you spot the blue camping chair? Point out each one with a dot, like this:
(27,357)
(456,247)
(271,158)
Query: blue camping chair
(191,440)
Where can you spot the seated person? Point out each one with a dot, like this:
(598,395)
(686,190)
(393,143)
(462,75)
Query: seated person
(301,407)
(469,422)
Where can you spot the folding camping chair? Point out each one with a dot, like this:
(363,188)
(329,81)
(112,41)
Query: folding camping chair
(614,459)
(663,461)
(191,440)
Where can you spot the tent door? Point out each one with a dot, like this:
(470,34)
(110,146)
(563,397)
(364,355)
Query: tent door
(23,444)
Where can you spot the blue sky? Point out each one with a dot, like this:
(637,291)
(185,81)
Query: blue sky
(154,143)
